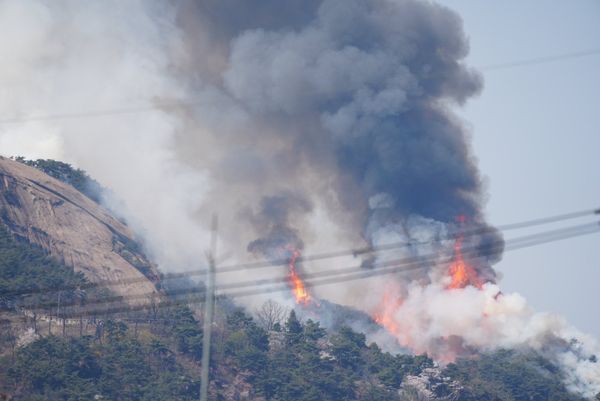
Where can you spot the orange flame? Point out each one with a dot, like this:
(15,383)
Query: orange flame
(298,287)
(461,273)
(386,310)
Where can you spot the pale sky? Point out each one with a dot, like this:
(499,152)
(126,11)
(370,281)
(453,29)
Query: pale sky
(536,134)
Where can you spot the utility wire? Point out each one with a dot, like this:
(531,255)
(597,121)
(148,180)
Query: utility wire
(354,272)
(284,262)
(407,264)
(364,275)
(315,257)
(158,106)
(405,268)
(540,60)
(391,269)
(550,219)
(397,245)
(185,104)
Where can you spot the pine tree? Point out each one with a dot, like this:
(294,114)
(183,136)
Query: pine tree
(293,330)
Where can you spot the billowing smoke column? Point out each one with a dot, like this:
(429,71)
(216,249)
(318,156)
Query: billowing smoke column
(359,93)
(306,124)
(341,105)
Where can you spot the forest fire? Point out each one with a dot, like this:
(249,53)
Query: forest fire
(384,316)
(461,273)
(387,312)
(298,287)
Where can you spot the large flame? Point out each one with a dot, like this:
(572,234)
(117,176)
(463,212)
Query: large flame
(298,287)
(461,273)
(386,310)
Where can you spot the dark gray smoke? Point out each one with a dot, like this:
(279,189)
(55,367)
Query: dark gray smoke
(274,221)
(344,103)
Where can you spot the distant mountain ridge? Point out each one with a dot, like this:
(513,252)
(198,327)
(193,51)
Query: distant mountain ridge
(74,229)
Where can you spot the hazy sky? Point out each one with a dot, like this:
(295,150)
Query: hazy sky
(536,133)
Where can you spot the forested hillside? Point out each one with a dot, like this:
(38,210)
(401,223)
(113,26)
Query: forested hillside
(154,353)
(301,362)
(68,174)
(24,269)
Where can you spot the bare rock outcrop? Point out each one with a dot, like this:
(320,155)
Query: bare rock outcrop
(75,230)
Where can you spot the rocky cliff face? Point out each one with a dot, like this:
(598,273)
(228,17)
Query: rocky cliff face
(73,229)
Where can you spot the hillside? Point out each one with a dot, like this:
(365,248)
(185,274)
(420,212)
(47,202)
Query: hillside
(72,228)
(298,361)
(53,236)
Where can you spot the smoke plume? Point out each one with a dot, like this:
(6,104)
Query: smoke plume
(315,124)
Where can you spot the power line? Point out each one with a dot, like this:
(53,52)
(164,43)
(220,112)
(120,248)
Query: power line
(397,269)
(391,270)
(158,106)
(540,60)
(284,262)
(356,272)
(315,257)
(550,219)
(397,245)
(415,263)
(161,106)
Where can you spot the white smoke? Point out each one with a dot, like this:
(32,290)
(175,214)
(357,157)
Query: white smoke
(78,57)
(430,317)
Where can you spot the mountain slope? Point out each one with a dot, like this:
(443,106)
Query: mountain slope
(73,229)
(157,356)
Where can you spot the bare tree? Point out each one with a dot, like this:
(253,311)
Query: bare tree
(271,314)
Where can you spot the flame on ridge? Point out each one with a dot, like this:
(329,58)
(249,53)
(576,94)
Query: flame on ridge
(385,313)
(461,273)
(298,287)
